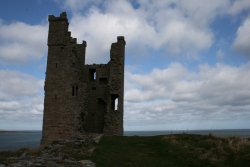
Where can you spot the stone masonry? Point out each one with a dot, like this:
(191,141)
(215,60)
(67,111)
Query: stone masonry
(79,98)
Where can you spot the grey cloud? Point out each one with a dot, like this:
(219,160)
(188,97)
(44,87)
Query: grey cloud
(181,27)
(21,42)
(21,99)
(213,93)
(242,41)
(146,27)
(239,6)
(18,85)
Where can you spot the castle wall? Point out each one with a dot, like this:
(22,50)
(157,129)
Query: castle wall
(96,77)
(114,116)
(80,98)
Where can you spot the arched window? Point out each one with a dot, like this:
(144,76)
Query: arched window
(94,76)
(114,102)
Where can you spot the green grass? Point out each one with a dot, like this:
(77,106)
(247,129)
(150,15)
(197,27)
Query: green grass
(182,150)
(172,151)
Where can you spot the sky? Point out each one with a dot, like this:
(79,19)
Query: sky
(187,61)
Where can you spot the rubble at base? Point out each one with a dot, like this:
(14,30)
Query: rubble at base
(64,153)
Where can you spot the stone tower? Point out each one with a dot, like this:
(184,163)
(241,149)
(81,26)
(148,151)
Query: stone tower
(80,98)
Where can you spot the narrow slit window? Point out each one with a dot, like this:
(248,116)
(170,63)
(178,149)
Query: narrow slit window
(76,90)
(56,65)
(116,103)
(73,90)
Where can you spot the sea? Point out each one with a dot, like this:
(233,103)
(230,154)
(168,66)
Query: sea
(13,140)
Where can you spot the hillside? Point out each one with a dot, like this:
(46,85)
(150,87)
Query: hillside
(182,150)
(172,151)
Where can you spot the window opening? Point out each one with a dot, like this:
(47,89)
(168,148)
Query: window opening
(73,90)
(56,65)
(114,102)
(76,90)
(92,74)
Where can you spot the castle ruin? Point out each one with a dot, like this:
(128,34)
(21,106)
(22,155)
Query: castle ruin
(80,98)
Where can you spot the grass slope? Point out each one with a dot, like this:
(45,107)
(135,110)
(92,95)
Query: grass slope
(182,150)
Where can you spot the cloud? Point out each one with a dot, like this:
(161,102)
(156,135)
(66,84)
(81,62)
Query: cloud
(178,95)
(166,26)
(200,13)
(173,95)
(242,41)
(20,100)
(21,42)
(175,27)
(100,30)
(239,6)
(16,84)
(76,5)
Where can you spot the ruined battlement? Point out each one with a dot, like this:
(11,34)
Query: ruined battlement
(79,98)
(62,17)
